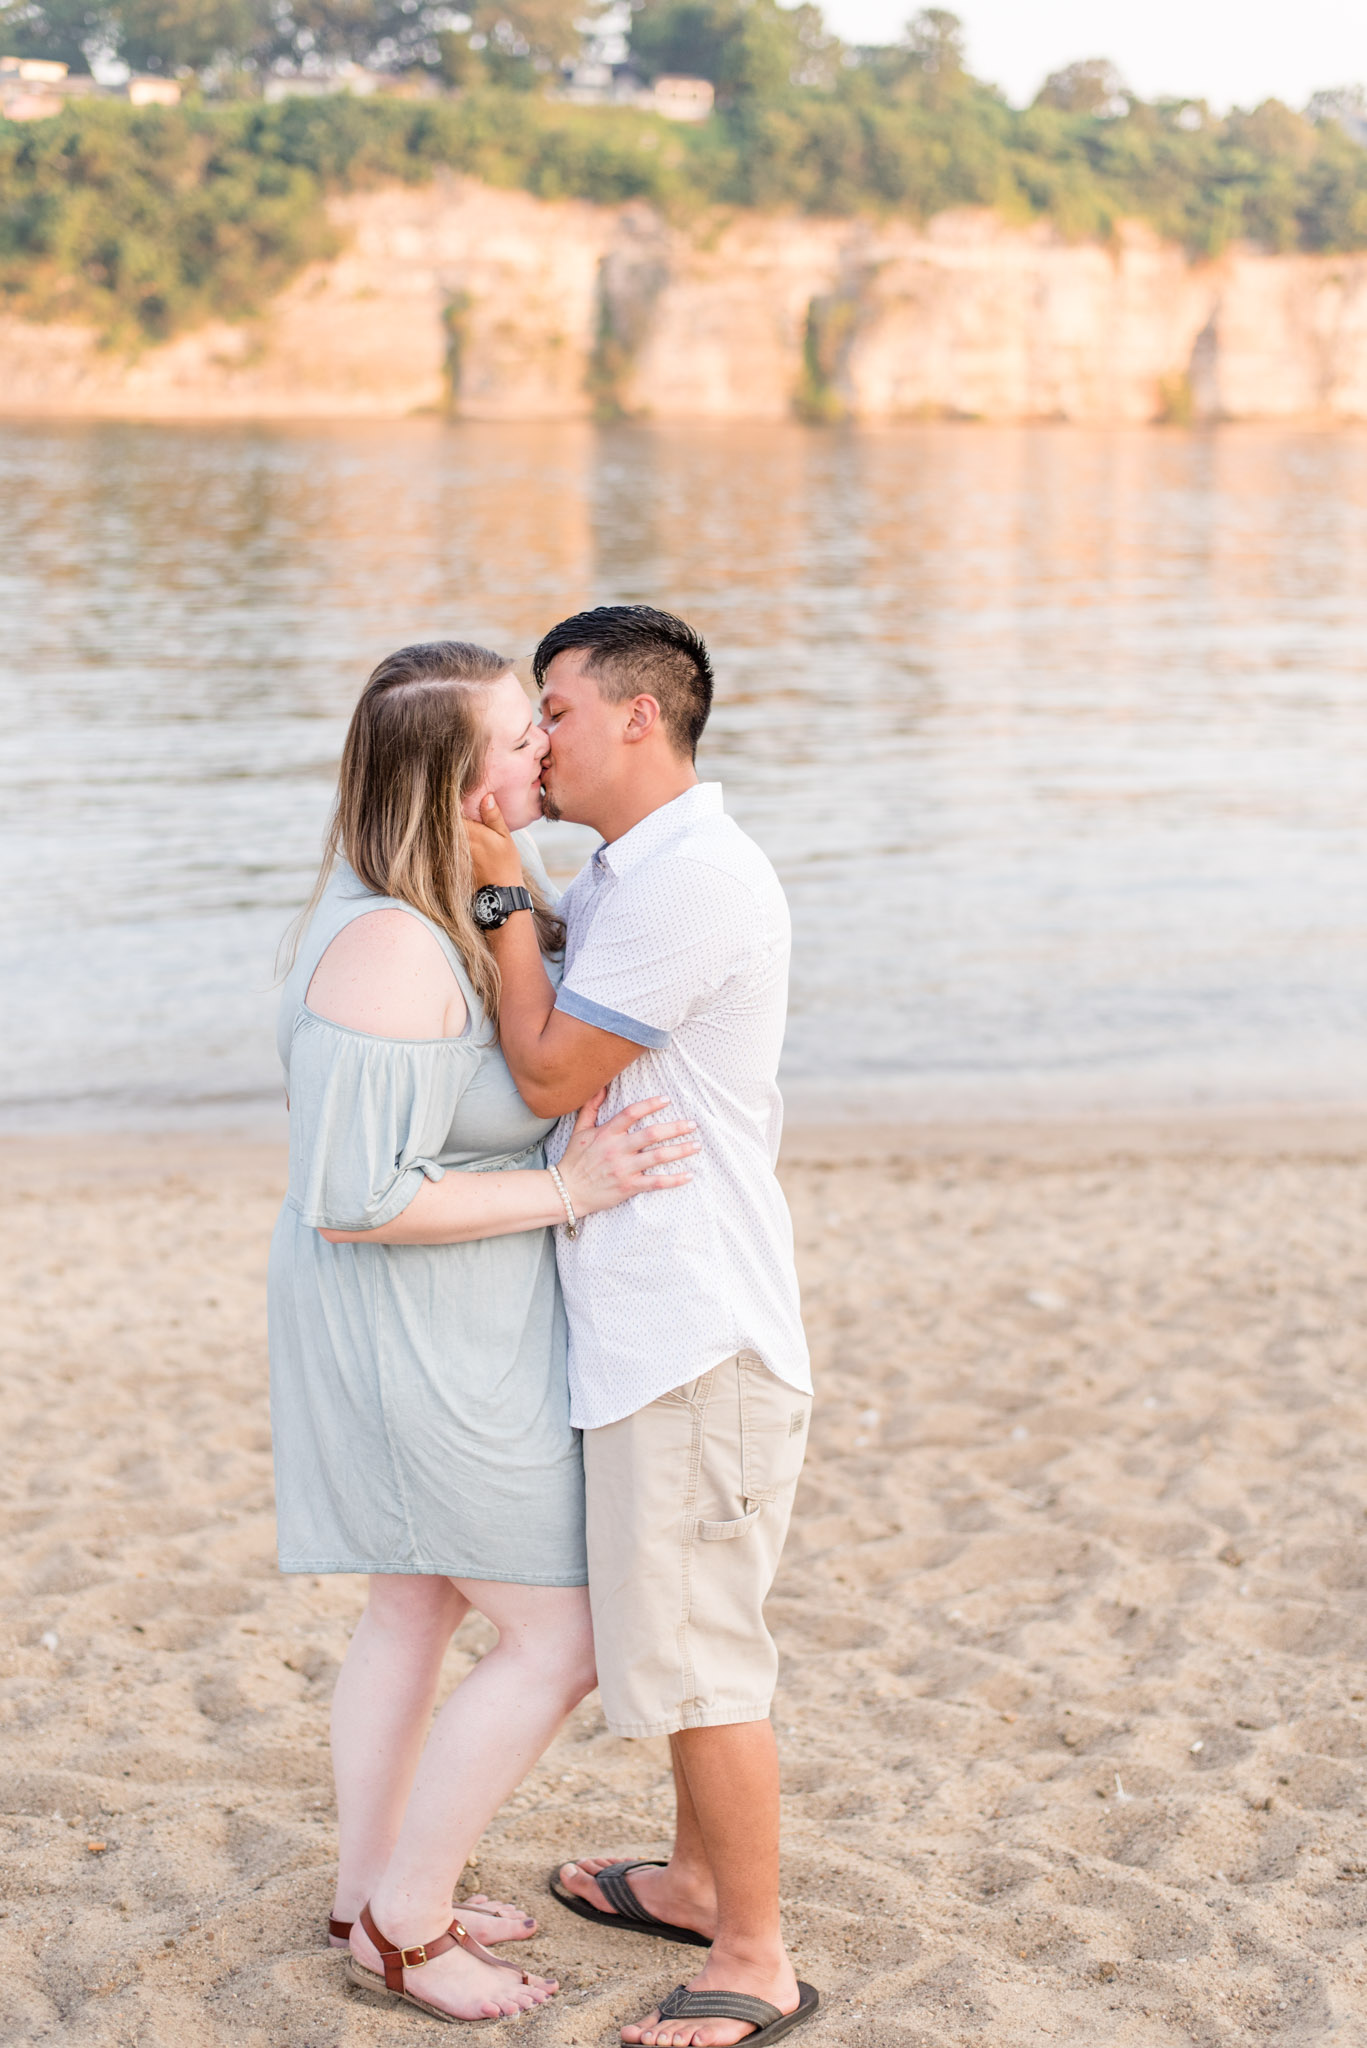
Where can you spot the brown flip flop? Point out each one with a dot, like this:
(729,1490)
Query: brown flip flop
(769,2021)
(397,1960)
(631,1915)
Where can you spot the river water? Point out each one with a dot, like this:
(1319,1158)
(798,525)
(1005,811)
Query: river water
(1057,738)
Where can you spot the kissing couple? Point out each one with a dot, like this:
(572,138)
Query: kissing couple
(536,1349)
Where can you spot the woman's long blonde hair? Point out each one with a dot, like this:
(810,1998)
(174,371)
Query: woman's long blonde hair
(415,748)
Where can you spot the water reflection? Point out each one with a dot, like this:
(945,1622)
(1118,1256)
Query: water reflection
(1056,737)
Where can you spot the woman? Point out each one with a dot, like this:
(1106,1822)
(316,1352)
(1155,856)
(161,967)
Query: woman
(418,1393)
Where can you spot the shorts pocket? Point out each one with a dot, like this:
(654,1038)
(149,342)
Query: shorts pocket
(773,1420)
(722,1532)
(690,1393)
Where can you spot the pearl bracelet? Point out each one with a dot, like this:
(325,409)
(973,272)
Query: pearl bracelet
(572,1221)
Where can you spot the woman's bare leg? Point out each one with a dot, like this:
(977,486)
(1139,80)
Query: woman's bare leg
(485,1739)
(381,1712)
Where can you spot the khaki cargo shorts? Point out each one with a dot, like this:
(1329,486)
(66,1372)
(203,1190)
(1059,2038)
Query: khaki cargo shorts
(688,1506)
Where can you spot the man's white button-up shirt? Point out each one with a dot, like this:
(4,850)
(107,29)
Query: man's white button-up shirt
(679,940)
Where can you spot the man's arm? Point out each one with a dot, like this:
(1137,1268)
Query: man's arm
(557,1061)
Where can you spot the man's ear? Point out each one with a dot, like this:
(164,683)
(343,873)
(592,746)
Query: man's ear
(644,718)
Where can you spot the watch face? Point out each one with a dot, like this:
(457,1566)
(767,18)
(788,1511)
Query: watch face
(487,907)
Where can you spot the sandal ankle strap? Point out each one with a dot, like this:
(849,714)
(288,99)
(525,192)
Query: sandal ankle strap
(396,1960)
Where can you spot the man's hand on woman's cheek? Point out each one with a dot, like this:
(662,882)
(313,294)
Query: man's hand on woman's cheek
(497,862)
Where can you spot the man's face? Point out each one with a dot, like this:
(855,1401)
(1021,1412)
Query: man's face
(585,737)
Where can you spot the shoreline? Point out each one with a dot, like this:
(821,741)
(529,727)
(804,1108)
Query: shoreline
(1224,1133)
(1272,1131)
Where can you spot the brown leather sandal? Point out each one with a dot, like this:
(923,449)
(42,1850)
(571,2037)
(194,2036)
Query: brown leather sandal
(397,1960)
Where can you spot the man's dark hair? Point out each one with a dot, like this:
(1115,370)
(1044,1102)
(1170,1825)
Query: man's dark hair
(633,650)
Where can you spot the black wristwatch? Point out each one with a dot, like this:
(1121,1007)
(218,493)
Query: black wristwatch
(492,907)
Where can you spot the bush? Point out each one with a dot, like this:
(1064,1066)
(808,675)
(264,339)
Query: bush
(147,220)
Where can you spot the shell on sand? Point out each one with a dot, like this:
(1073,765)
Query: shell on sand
(1072,1617)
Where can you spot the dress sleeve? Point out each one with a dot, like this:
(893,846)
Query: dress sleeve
(368,1117)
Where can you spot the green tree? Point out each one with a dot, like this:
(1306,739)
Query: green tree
(751,50)
(457,64)
(1345,104)
(1091,86)
(686,36)
(393,34)
(68,30)
(187,35)
(545,30)
(926,66)
(935,39)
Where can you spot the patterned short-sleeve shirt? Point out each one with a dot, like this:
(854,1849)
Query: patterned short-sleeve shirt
(679,940)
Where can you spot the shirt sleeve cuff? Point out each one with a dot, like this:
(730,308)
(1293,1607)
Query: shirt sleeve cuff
(610,1020)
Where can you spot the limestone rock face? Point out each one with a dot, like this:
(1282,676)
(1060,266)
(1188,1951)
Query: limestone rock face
(969,319)
(490,304)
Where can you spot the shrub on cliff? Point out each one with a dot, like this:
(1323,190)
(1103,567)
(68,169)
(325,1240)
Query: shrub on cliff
(147,220)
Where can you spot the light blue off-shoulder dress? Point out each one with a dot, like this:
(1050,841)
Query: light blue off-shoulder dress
(419,1403)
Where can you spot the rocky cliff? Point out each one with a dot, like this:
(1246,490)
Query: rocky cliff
(495,305)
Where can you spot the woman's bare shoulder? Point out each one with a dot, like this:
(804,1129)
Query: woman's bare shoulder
(386,974)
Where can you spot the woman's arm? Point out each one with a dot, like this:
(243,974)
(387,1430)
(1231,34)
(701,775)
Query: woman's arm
(604,1164)
(385,975)
(464,1206)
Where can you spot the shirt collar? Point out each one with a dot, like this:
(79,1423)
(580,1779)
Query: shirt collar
(659,827)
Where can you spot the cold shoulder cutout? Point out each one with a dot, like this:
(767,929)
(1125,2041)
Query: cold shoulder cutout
(385,975)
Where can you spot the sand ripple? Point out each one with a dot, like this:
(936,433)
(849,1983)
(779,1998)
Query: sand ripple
(1073,1617)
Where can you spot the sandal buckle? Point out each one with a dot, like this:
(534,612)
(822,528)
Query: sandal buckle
(413,1958)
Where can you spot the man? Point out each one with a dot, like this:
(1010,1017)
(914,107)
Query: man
(688,1366)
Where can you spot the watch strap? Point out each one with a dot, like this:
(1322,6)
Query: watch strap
(507,899)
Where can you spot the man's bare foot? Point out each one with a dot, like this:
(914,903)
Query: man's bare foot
(678,1897)
(490,1920)
(774,1981)
(456,1982)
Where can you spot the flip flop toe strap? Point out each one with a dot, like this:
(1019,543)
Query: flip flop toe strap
(683,2004)
(612,1883)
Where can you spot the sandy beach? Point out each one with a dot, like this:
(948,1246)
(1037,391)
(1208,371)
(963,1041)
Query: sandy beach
(1073,1617)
